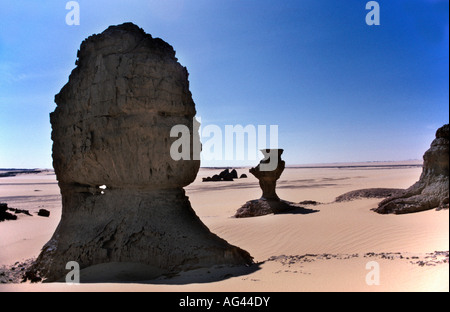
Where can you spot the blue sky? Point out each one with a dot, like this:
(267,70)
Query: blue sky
(338,89)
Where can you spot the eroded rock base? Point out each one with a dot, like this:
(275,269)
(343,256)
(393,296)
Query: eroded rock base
(262,207)
(156,229)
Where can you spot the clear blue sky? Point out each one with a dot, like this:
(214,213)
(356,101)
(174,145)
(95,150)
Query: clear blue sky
(338,89)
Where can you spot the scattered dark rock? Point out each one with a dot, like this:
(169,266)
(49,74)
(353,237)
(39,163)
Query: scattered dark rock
(16,211)
(44,213)
(243,176)
(225,175)
(227,178)
(7,216)
(4,215)
(16,273)
(428,259)
(31,276)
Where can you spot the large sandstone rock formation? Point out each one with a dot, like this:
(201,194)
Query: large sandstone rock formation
(124,207)
(432,189)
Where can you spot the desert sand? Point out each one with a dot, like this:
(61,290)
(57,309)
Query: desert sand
(327,250)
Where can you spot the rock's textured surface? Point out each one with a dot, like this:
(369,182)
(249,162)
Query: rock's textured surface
(368,193)
(44,213)
(112,123)
(432,189)
(123,197)
(4,215)
(225,175)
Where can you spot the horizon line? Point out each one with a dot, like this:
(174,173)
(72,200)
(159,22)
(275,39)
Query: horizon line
(375,163)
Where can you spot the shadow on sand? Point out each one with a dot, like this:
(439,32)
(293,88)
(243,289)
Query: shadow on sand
(128,273)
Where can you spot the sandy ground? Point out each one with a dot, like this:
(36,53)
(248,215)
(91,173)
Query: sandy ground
(342,247)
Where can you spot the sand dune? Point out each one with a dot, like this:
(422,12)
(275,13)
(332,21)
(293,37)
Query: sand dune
(323,251)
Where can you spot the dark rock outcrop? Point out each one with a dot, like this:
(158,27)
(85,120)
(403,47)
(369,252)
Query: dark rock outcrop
(44,213)
(4,215)
(21,211)
(432,189)
(225,175)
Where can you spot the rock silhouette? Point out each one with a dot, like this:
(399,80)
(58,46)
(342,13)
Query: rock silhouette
(268,179)
(432,189)
(44,213)
(269,202)
(4,215)
(225,175)
(124,207)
